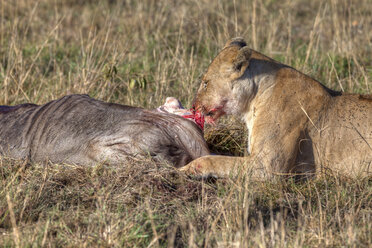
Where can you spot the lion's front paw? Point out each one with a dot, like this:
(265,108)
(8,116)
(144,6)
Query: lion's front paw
(202,166)
(194,167)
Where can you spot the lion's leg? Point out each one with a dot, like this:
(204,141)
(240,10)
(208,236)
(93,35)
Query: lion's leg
(275,156)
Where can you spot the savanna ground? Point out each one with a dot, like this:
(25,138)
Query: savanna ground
(140,52)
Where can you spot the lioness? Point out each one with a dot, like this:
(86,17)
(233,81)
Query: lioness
(78,129)
(295,124)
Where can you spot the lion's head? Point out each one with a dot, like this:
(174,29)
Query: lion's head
(219,92)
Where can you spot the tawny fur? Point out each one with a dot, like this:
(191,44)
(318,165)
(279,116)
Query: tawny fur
(295,124)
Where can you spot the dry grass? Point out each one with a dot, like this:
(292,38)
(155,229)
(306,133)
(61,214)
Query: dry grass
(138,53)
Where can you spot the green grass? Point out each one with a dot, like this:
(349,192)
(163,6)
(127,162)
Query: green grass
(140,52)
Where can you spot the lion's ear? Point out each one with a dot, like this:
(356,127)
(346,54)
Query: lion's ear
(241,62)
(237,41)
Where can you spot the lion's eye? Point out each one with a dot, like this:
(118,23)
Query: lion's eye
(205,84)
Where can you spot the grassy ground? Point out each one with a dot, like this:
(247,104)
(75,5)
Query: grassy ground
(140,52)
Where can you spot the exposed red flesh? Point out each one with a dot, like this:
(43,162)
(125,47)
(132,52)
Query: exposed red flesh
(197,117)
(200,119)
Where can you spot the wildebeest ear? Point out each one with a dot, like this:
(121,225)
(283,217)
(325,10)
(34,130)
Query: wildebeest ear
(241,61)
(237,41)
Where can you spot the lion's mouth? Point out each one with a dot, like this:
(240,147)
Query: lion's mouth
(211,115)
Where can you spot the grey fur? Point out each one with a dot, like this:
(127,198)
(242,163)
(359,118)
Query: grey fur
(81,130)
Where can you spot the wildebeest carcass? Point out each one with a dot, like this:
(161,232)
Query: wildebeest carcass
(81,130)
